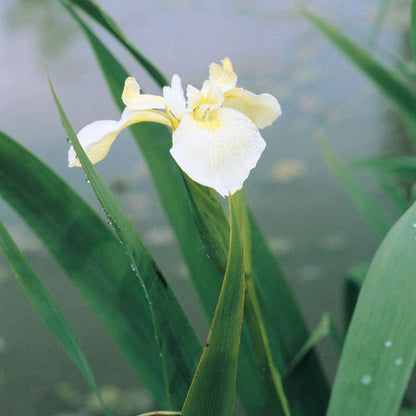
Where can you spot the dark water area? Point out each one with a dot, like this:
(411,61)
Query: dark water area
(312,226)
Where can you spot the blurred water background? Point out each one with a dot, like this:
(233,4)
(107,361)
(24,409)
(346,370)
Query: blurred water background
(311,225)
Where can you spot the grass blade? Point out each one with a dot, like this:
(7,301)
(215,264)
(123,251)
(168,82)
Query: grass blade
(368,208)
(213,387)
(401,94)
(324,329)
(380,348)
(99,15)
(47,308)
(351,289)
(176,340)
(88,251)
(413,30)
(404,167)
(378,22)
(270,376)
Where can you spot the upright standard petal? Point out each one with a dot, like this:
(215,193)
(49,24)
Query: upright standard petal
(96,138)
(223,76)
(133,99)
(261,109)
(174,97)
(218,151)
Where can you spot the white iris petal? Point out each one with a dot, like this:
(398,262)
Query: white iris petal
(223,76)
(96,138)
(174,96)
(216,140)
(261,109)
(218,151)
(133,99)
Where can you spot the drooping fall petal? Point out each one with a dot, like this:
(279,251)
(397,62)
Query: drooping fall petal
(218,151)
(96,138)
(261,109)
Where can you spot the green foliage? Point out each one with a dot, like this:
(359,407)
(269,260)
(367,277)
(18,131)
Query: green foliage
(380,348)
(269,357)
(177,357)
(93,258)
(46,308)
(202,232)
(213,387)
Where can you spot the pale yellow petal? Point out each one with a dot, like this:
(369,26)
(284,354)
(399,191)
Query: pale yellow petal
(212,93)
(223,76)
(96,138)
(261,109)
(174,97)
(219,151)
(133,99)
(195,97)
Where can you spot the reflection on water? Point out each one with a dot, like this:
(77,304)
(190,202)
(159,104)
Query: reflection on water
(311,225)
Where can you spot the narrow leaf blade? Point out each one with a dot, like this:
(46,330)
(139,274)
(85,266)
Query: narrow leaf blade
(380,348)
(47,308)
(413,30)
(401,94)
(368,208)
(98,14)
(170,324)
(213,387)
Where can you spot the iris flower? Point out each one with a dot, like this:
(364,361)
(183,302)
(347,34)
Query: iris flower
(216,139)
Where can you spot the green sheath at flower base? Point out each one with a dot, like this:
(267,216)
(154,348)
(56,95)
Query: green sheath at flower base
(216,139)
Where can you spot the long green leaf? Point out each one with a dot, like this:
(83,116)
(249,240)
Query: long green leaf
(403,167)
(352,285)
(380,348)
(190,208)
(213,387)
(306,387)
(378,22)
(87,250)
(96,13)
(176,340)
(368,208)
(413,30)
(47,309)
(324,328)
(270,376)
(397,194)
(401,94)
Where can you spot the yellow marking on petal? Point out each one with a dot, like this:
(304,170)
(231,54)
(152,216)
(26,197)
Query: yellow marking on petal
(174,122)
(202,102)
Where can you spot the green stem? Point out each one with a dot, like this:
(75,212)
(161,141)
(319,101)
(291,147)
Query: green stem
(269,373)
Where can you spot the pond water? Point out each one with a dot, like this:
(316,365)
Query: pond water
(313,228)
